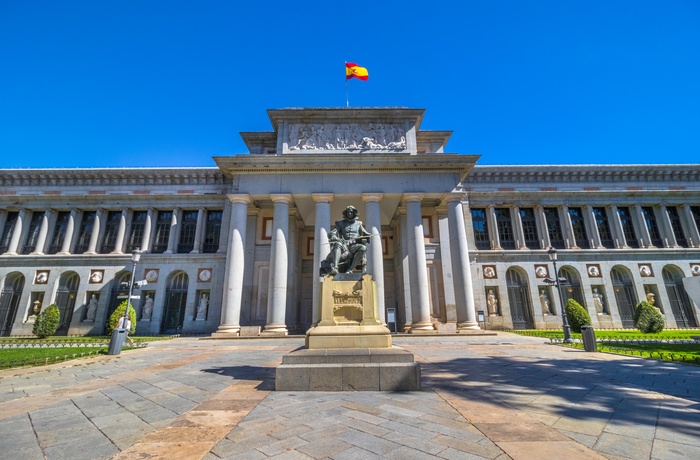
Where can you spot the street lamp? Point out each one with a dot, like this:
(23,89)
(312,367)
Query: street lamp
(135,256)
(116,342)
(552,253)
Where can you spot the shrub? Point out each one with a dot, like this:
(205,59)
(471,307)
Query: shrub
(577,315)
(47,322)
(648,318)
(118,313)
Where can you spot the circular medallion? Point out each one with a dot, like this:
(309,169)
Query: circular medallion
(205,275)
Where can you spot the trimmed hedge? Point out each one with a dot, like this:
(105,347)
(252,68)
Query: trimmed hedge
(648,318)
(47,322)
(577,315)
(118,313)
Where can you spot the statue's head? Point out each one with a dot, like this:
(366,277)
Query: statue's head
(350,212)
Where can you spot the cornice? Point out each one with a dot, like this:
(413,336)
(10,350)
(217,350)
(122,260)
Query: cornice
(110,177)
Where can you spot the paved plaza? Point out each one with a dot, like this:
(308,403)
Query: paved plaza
(494,397)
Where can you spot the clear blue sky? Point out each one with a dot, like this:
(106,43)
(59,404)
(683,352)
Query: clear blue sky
(171,83)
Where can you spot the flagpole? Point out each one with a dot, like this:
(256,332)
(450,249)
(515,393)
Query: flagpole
(347,98)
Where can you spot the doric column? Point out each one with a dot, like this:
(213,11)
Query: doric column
(667,228)
(517,228)
(693,231)
(279,266)
(235,265)
(492,226)
(592,226)
(567,227)
(70,230)
(121,231)
(146,240)
(446,265)
(94,236)
(542,228)
(225,226)
(642,224)
(405,269)
(172,236)
(464,291)
(16,233)
(198,232)
(375,260)
(617,230)
(321,247)
(416,254)
(43,232)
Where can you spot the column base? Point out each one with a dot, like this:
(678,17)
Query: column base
(225,331)
(275,330)
(424,327)
(468,326)
(116,252)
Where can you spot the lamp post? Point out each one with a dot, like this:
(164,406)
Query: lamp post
(116,342)
(552,253)
(135,256)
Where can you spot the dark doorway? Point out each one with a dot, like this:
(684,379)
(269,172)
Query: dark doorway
(9,301)
(65,300)
(680,302)
(624,295)
(519,300)
(175,302)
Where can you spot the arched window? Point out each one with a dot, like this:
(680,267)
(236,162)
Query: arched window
(519,299)
(9,301)
(175,302)
(572,288)
(681,305)
(624,295)
(65,300)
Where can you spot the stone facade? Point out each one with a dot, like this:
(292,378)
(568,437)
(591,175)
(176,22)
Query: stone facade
(240,245)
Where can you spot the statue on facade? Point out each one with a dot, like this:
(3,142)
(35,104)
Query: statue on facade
(598,301)
(544,301)
(492,303)
(147,308)
(348,241)
(651,298)
(202,307)
(92,309)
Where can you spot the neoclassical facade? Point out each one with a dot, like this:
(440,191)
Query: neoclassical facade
(236,249)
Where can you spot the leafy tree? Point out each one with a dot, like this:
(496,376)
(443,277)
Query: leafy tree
(118,313)
(577,315)
(648,318)
(47,322)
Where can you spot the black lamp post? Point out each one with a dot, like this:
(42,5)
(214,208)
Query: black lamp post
(135,256)
(552,253)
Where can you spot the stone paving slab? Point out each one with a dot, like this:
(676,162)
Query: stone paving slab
(495,397)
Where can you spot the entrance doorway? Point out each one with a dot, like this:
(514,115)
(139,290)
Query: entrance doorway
(65,300)
(9,301)
(519,299)
(624,295)
(175,302)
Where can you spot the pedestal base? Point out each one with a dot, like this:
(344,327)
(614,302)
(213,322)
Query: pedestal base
(374,336)
(349,369)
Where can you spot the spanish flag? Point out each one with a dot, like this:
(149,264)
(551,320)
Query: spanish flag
(354,70)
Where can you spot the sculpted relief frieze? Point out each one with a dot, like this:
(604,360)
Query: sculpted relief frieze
(369,136)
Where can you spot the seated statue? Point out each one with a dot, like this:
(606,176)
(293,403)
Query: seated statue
(348,241)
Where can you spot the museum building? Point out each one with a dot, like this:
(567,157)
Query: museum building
(236,249)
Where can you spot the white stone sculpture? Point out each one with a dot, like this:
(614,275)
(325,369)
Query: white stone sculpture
(544,301)
(202,307)
(92,309)
(492,303)
(373,136)
(147,309)
(598,301)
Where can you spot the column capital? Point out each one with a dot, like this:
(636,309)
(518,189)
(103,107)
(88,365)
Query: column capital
(240,198)
(454,196)
(411,197)
(372,197)
(322,197)
(281,197)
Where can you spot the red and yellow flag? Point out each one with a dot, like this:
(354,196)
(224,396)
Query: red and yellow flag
(354,70)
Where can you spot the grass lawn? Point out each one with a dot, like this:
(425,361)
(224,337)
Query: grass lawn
(56,340)
(627,334)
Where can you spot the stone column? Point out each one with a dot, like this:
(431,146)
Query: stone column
(417,263)
(121,231)
(321,247)
(517,228)
(464,291)
(567,227)
(375,261)
(642,224)
(693,231)
(16,233)
(669,236)
(43,232)
(92,244)
(616,228)
(146,240)
(70,230)
(492,226)
(405,270)
(279,266)
(198,232)
(542,228)
(172,236)
(446,265)
(592,223)
(235,265)
(3,219)
(225,228)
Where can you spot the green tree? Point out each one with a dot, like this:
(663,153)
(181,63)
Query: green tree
(47,322)
(118,313)
(648,318)
(577,315)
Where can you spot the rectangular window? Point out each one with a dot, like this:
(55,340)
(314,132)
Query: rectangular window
(676,225)
(652,226)
(556,238)
(212,233)
(85,232)
(628,226)
(601,221)
(160,242)
(33,233)
(579,227)
(188,229)
(8,230)
(695,211)
(505,228)
(481,231)
(138,224)
(527,217)
(111,229)
(59,232)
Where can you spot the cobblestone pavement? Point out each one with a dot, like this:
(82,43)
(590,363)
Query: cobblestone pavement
(493,397)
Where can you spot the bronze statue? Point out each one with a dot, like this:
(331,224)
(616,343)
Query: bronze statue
(348,241)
